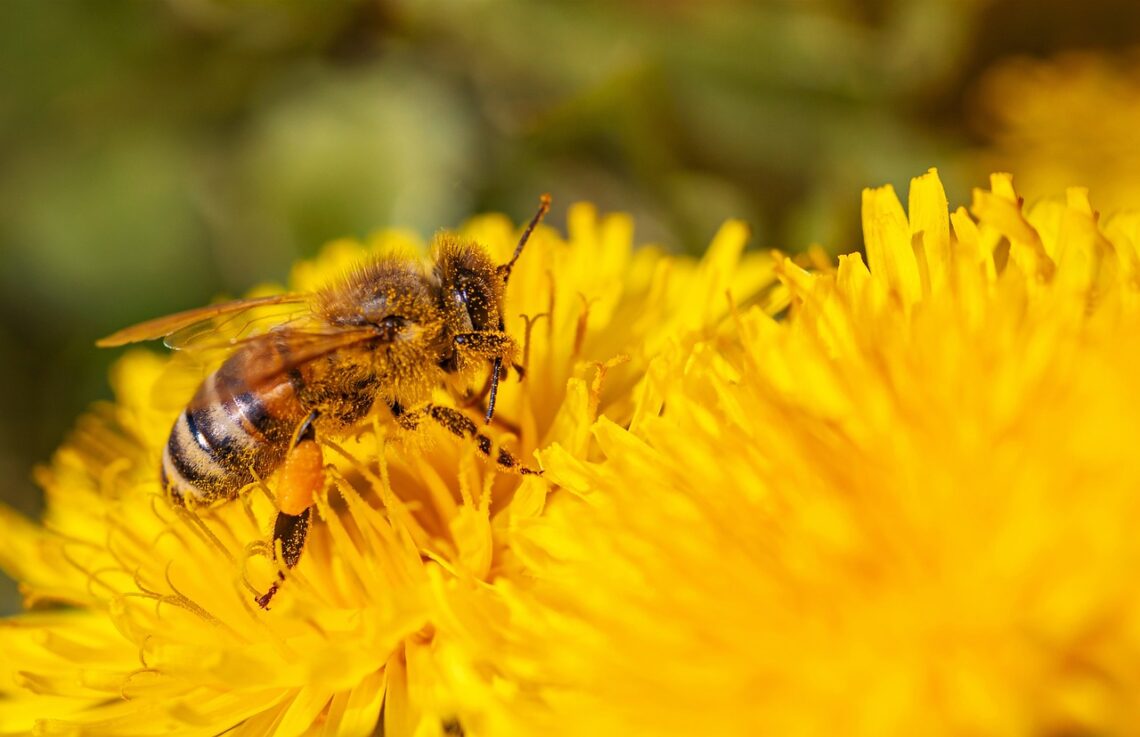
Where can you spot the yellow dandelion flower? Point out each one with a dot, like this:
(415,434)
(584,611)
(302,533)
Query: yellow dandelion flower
(907,508)
(141,614)
(1049,121)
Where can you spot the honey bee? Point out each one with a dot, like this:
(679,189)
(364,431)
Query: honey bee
(390,332)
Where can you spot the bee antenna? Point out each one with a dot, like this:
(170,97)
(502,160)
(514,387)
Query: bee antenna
(543,207)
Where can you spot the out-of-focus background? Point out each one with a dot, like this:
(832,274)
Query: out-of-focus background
(157,153)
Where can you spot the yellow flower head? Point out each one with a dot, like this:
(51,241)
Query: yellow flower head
(903,505)
(906,508)
(142,617)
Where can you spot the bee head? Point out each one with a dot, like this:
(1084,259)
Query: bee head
(471,295)
(471,292)
(472,285)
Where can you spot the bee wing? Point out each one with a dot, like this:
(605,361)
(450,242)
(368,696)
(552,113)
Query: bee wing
(186,370)
(291,349)
(226,331)
(183,328)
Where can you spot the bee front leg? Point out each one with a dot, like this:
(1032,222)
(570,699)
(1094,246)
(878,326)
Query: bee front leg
(302,474)
(495,345)
(462,426)
(486,343)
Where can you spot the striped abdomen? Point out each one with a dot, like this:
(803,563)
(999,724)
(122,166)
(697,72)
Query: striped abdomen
(239,423)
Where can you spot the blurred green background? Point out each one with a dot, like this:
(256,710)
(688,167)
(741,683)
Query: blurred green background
(156,153)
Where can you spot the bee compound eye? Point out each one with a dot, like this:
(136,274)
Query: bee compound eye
(475,302)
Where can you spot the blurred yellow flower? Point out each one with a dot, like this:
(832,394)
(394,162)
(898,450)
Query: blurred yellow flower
(1063,122)
(907,508)
(141,617)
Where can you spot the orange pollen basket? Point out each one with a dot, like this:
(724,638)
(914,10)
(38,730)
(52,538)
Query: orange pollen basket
(302,474)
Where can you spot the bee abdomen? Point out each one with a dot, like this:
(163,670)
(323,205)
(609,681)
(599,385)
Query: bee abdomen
(206,457)
(221,440)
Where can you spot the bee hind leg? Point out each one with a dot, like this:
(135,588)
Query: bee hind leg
(290,530)
(302,474)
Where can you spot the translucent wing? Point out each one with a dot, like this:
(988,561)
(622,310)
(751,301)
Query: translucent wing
(281,351)
(267,356)
(226,331)
(182,328)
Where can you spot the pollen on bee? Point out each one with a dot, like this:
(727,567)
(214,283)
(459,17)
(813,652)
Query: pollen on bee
(302,475)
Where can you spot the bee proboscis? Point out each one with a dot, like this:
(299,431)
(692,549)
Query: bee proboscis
(391,332)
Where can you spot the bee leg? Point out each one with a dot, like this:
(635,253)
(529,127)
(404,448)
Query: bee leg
(290,530)
(478,399)
(486,343)
(494,345)
(496,369)
(462,426)
(475,399)
(302,474)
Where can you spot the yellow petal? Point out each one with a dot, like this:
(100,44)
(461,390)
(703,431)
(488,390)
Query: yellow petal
(890,253)
(929,219)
